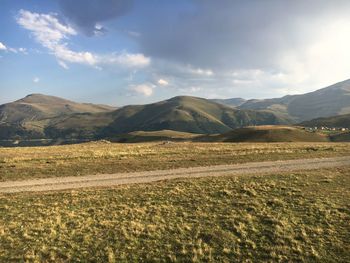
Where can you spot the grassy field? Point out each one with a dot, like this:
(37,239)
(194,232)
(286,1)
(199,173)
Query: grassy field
(298,217)
(103,157)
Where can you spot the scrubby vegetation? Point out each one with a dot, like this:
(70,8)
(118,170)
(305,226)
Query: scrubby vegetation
(105,157)
(298,217)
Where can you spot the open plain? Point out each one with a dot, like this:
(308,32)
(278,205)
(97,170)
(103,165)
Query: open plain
(216,203)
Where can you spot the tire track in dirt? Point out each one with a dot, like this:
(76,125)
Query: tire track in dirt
(105,180)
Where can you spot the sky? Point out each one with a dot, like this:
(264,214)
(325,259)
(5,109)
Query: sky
(121,52)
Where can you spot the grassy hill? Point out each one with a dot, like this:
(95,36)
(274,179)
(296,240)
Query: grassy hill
(150,136)
(341,121)
(186,114)
(30,116)
(267,134)
(52,117)
(39,116)
(38,107)
(329,101)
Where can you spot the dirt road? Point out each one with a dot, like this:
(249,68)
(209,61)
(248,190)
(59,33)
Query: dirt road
(103,180)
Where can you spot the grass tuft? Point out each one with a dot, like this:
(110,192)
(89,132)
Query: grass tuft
(295,217)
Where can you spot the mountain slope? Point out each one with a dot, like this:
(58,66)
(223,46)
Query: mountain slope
(183,114)
(326,102)
(186,114)
(28,117)
(341,121)
(38,106)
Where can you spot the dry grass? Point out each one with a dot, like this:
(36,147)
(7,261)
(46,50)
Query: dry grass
(298,217)
(94,158)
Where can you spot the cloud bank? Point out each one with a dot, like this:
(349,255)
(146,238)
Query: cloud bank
(223,48)
(87,15)
(53,35)
(143,89)
(296,46)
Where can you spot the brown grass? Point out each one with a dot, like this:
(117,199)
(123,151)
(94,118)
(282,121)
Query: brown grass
(103,157)
(295,217)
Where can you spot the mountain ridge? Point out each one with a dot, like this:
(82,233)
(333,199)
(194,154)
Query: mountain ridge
(329,101)
(181,113)
(43,116)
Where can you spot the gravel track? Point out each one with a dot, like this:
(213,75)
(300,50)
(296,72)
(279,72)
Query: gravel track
(105,180)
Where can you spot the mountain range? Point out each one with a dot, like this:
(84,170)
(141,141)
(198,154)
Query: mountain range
(39,116)
(28,118)
(330,101)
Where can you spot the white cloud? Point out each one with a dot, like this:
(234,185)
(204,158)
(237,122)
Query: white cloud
(46,28)
(126,59)
(144,89)
(21,50)
(36,79)
(202,72)
(2,46)
(163,82)
(53,35)
(63,65)
(13,50)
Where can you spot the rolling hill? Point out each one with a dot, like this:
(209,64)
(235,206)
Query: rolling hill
(39,116)
(267,134)
(28,117)
(150,136)
(185,114)
(341,121)
(326,102)
(38,107)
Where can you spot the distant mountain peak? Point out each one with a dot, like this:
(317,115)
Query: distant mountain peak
(234,102)
(43,99)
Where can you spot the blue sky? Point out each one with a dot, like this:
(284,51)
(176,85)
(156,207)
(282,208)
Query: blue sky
(125,52)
